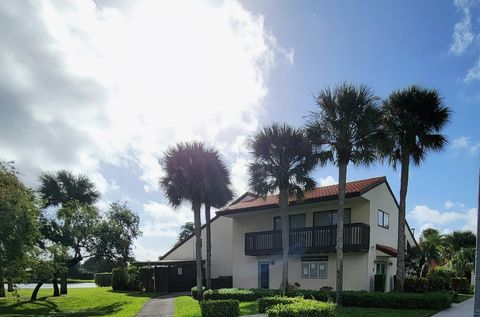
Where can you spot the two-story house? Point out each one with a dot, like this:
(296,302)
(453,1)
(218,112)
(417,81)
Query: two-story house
(246,238)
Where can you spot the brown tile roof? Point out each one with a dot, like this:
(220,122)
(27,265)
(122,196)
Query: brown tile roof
(386,249)
(355,188)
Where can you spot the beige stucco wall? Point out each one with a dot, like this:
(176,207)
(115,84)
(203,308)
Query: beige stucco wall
(245,268)
(221,248)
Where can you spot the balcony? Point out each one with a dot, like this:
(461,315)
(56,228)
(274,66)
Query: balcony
(356,238)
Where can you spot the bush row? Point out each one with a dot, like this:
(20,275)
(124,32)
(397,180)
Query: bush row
(103,279)
(240,294)
(265,303)
(220,308)
(435,283)
(304,308)
(435,301)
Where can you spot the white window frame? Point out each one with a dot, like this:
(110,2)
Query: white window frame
(314,266)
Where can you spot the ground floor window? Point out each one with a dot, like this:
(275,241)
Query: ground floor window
(381,268)
(314,270)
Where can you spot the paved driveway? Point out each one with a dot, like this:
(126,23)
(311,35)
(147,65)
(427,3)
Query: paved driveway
(160,306)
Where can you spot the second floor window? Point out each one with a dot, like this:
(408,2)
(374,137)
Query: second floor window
(296,221)
(329,218)
(383,219)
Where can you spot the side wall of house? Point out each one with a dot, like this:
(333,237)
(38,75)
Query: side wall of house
(221,248)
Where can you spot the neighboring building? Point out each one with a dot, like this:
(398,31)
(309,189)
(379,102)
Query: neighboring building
(246,238)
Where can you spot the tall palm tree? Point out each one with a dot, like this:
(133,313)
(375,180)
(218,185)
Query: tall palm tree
(413,119)
(217,194)
(282,161)
(63,187)
(345,129)
(184,166)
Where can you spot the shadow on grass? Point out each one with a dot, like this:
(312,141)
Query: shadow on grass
(137,293)
(46,308)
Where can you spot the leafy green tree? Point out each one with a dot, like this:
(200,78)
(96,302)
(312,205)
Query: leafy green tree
(66,191)
(185,231)
(217,194)
(431,245)
(282,161)
(184,166)
(345,129)
(19,221)
(413,119)
(115,235)
(463,262)
(458,240)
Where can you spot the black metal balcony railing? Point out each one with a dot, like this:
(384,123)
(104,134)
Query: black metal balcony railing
(356,238)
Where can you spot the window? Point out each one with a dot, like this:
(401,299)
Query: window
(382,219)
(296,221)
(314,270)
(329,218)
(381,268)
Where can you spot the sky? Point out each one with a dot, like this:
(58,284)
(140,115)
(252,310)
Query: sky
(104,87)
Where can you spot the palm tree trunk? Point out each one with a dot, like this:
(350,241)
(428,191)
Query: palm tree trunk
(400,274)
(2,286)
(9,285)
(198,248)
(63,284)
(283,202)
(342,183)
(208,271)
(35,291)
(56,291)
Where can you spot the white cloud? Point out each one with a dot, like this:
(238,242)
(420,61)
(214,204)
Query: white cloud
(134,83)
(465,143)
(425,217)
(462,36)
(326,181)
(450,204)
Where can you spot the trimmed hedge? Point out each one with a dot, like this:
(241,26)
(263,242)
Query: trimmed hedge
(242,295)
(103,279)
(416,285)
(268,302)
(304,308)
(220,308)
(434,301)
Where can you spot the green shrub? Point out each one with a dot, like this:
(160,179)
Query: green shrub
(265,303)
(460,285)
(416,285)
(438,279)
(379,282)
(303,308)
(434,301)
(103,279)
(119,279)
(242,295)
(323,296)
(220,308)
(193,291)
(145,279)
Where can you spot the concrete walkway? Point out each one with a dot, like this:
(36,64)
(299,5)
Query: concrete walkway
(463,309)
(160,306)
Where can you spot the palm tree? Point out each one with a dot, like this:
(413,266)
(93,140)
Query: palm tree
(463,262)
(217,194)
(431,245)
(63,187)
(184,166)
(282,161)
(345,129)
(413,119)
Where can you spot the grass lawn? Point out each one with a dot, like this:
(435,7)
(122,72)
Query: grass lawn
(100,301)
(461,297)
(75,280)
(186,306)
